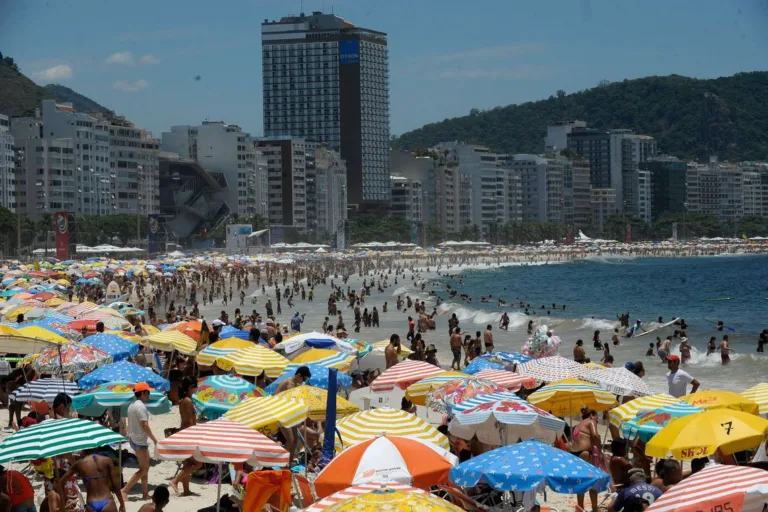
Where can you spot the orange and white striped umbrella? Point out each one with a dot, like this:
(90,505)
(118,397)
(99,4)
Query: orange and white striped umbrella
(717,487)
(510,380)
(357,490)
(404,374)
(223,440)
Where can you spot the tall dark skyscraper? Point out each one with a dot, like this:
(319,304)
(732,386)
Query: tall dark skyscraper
(327,80)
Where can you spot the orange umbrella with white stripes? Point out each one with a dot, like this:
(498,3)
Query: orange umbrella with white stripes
(404,374)
(510,380)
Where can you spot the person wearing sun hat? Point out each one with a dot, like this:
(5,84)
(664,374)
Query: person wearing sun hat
(139,435)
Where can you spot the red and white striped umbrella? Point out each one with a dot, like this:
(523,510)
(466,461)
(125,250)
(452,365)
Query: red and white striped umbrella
(510,380)
(717,487)
(404,374)
(223,440)
(356,490)
(80,309)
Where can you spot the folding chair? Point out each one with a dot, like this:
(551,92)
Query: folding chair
(305,490)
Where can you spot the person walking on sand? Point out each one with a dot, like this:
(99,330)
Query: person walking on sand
(188,419)
(139,435)
(455,341)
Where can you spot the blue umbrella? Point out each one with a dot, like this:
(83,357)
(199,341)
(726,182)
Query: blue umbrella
(119,348)
(230,332)
(506,357)
(123,371)
(319,378)
(479,364)
(528,466)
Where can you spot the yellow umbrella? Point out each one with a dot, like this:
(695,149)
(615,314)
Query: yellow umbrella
(316,400)
(208,356)
(151,329)
(702,434)
(629,410)
(594,365)
(54,301)
(386,498)
(63,282)
(379,347)
(172,340)
(27,359)
(714,399)
(568,397)
(34,331)
(266,413)
(372,423)
(417,392)
(253,360)
(759,394)
(326,357)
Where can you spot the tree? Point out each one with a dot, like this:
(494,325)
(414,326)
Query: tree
(46,225)
(433,234)
(560,93)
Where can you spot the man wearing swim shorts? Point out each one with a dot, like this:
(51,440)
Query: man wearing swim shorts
(139,435)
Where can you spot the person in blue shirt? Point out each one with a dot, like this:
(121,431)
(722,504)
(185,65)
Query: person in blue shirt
(296,322)
(638,488)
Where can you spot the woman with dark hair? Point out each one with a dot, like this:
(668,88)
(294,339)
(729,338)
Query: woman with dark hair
(188,419)
(586,445)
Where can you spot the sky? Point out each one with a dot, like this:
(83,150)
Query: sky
(172,62)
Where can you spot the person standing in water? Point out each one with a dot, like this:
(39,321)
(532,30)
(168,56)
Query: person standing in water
(725,358)
(711,345)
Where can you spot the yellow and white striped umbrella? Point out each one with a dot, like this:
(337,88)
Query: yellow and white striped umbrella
(366,425)
(629,410)
(169,341)
(417,392)
(316,399)
(759,394)
(209,355)
(568,397)
(253,360)
(267,413)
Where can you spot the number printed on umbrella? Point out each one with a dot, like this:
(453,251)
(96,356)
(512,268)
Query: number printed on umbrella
(725,507)
(728,426)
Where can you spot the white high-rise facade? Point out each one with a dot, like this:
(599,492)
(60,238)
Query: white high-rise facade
(7,165)
(542,188)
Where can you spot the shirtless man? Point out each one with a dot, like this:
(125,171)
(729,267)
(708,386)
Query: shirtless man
(456,349)
(663,351)
(392,351)
(578,352)
(300,377)
(488,338)
(725,358)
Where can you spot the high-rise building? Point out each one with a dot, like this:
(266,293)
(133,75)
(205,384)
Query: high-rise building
(331,193)
(407,198)
(577,194)
(134,162)
(631,184)
(449,197)
(668,185)
(542,187)
(716,189)
(7,165)
(326,80)
(752,193)
(595,147)
(603,206)
(557,135)
(287,180)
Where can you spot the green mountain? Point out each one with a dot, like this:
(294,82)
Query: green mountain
(690,118)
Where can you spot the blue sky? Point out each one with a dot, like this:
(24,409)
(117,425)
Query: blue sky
(141,57)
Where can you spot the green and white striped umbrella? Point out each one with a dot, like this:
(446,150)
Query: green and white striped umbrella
(55,437)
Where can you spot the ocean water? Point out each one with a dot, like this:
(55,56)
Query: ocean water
(595,290)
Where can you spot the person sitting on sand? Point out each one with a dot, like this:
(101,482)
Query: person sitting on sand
(160,499)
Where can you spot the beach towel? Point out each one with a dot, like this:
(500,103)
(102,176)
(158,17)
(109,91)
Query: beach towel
(273,487)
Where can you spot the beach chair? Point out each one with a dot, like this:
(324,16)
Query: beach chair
(305,492)
(459,498)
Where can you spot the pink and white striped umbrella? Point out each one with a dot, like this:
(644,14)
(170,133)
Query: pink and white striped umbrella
(510,380)
(80,309)
(223,440)
(404,374)
(356,490)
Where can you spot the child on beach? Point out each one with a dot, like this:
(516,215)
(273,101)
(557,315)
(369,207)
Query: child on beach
(650,351)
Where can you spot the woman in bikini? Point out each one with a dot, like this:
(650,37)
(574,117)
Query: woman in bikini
(586,445)
(99,478)
(188,419)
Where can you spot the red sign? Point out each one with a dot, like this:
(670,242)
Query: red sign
(569,236)
(62,235)
(628,234)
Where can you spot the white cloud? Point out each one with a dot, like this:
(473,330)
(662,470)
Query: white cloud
(125,58)
(135,86)
(149,60)
(60,72)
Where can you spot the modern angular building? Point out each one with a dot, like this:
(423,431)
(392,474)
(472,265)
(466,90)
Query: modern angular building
(327,81)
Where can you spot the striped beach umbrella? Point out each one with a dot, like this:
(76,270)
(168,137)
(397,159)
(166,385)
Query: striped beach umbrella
(552,369)
(759,394)
(95,401)
(483,399)
(569,396)
(363,347)
(228,332)
(649,423)
(223,440)
(214,351)
(168,341)
(450,394)
(324,357)
(357,490)
(316,400)
(55,437)
(267,413)
(218,394)
(618,381)
(44,390)
(404,374)
(253,360)
(417,392)
(319,378)
(629,410)
(380,346)
(510,380)
(365,425)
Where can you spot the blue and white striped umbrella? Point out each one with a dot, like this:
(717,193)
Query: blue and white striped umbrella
(507,357)
(123,371)
(483,399)
(230,332)
(117,394)
(339,361)
(648,423)
(119,348)
(44,389)
(319,378)
(480,364)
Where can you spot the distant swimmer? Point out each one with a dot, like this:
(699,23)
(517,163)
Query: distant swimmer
(650,351)
(720,325)
(711,345)
(623,319)
(725,358)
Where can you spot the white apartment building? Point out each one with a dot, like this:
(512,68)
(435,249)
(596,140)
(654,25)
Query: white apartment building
(753,193)
(603,206)
(286,180)
(406,199)
(330,191)
(635,184)
(716,189)
(223,148)
(449,197)
(577,194)
(47,176)
(134,162)
(542,184)
(7,165)
(557,135)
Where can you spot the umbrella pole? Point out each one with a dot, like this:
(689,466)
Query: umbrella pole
(218,488)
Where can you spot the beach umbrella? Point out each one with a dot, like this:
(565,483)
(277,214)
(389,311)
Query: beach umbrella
(89,322)
(510,380)
(401,459)
(253,360)
(70,358)
(363,348)
(356,490)
(55,437)
(380,346)
(372,423)
(209,355)
(403,374)
(123,371)
(631,409)
(316,399)
(717,487)
(417,392)
(59,324)
(569,396)
(218,394)
(452,393)
(552,369)
(44,390)
(483,399)
(385,498)
(618,381)
(169,341)
(319,378)
(323,357)
(717,399)
(479,364)
(266,414)
(649,423)
(41,333)
(529,466)
(315,340)
(700,435)
(117,347)
(95,401)
(759,395)
(191,328)
(228,332)
(511,358)
(78,309)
